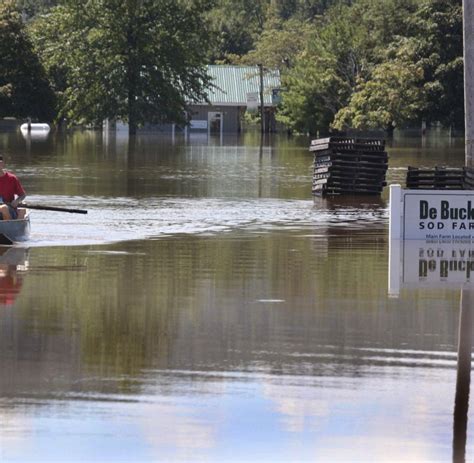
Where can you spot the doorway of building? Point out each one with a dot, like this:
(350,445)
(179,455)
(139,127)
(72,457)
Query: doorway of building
(215,123)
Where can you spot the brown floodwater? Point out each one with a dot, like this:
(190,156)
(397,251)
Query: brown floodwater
(208,308)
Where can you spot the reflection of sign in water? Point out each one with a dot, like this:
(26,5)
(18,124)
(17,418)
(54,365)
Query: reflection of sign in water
(431,215)
(430,264)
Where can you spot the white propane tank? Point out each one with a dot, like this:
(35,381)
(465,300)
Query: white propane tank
(35,126)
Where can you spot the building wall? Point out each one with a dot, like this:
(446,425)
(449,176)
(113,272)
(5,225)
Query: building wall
(230,116)
(200,116)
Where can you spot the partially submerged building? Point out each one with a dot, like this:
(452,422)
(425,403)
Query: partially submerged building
(235,90)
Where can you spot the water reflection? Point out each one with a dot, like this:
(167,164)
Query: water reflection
(37,136)
(435,264)
(13,265)
(430,264)
(186,331)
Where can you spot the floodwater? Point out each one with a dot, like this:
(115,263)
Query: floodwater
(208,308)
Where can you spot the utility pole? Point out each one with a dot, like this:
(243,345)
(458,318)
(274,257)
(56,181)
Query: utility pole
(262,108)
(468,33)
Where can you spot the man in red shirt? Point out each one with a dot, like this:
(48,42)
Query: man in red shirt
(11,193)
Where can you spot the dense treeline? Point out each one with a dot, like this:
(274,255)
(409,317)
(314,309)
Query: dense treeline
(360,63)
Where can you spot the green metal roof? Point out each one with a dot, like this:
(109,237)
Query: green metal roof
(234,82)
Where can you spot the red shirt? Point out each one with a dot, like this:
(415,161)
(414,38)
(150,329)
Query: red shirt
(9,187)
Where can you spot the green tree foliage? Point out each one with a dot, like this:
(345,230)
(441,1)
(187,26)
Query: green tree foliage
(391,97)
(438,47)
(24,88)
(385,21)
(238,24)
(420,76)
(302,9)
(324,74)
(376,63)
(135,60)
(33,7)
(280,43)
(242,25)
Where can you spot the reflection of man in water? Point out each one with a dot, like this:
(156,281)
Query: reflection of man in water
(10,283)
(11,193)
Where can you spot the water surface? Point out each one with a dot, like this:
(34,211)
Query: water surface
(208,308)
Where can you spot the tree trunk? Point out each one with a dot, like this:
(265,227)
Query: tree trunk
(132,103)
(390,130)
(132,120)
(132,67)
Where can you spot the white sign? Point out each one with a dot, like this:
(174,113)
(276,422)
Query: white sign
(198,125)
(431,214)
(430,264)
(252,100)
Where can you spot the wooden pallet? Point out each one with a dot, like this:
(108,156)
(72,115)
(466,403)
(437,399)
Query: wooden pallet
(348,144)
(369,176)
(351,166)
(382,155)
(348,165)
(439,178)
(333,191)
(345,183)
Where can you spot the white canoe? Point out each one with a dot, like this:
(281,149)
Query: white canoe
(13,231)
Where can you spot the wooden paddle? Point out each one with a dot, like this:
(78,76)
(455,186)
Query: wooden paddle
(52,208)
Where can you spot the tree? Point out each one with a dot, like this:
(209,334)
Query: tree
(33,7)
(349,65)
(437,45)
(238,24)
(391,97)
(302,9)
(420,77)
(280,43)
(243,26)
(135,60)
(324,75)
(24,88)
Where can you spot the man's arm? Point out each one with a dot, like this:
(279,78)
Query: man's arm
(17,201)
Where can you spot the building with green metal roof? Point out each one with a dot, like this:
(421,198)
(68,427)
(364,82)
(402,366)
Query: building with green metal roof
(233,84)
(234,90)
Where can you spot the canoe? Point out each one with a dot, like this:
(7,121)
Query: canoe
(13,231)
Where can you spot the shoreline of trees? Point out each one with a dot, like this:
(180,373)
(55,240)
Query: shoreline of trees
(362,64)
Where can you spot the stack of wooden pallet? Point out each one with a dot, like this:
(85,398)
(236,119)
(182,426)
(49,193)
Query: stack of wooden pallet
(439,178)
(345,165)
(468,180)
